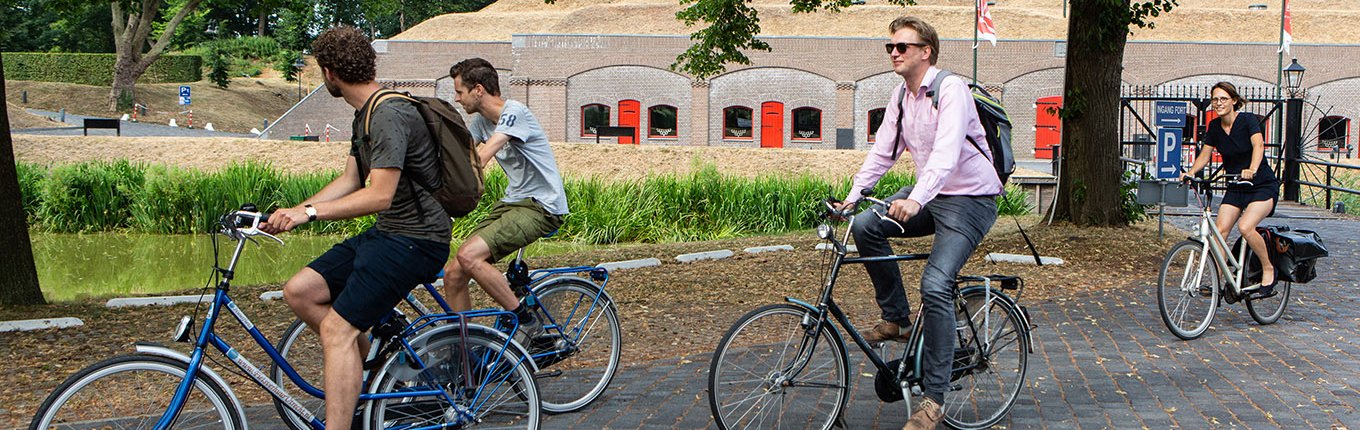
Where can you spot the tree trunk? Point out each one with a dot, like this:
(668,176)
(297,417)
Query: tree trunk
(132,25)
(259,26)
(1091,172)
(18,276)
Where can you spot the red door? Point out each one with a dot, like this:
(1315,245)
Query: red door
(772,125)
(628,117)
(1047,126)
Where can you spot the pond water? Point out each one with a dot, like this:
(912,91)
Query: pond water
(97,265)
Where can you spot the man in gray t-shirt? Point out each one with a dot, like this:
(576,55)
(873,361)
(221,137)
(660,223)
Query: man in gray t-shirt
(534,202)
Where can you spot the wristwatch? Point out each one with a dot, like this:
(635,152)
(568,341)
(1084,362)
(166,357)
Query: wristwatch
(311,213)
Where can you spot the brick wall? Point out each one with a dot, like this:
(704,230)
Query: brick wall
(649,86)
(753,87)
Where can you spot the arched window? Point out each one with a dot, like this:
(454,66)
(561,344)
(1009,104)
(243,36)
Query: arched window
(592,116)
(737,122)
(1333,133)
(661,121)
(875,120)
(807,124)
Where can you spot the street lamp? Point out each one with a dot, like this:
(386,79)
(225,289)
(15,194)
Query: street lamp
(298,65)
(1293,77)
(1293,130)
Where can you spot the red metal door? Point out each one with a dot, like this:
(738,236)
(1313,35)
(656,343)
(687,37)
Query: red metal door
(772,125)
(1047,126)
(628,117)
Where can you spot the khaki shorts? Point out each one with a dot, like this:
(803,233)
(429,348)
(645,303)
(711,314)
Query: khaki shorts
(512,226)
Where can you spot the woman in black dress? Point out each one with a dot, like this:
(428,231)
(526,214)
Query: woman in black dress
(1238,136)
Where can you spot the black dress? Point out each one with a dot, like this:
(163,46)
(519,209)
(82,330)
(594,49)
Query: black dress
(1236,150)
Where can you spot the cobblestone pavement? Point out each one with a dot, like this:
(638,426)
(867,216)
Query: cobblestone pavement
(128,128)
(1101,360)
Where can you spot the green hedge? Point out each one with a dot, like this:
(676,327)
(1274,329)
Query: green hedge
(95,69)
(703,205)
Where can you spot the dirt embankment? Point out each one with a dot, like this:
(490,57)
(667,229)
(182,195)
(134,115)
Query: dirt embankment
(607,162)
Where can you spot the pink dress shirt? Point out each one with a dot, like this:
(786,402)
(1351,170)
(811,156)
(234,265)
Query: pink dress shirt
(946,163)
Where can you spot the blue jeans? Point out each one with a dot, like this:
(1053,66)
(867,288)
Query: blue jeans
(959,224)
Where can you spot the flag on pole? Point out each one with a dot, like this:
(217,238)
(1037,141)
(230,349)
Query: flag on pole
(986,29)
(1286,29)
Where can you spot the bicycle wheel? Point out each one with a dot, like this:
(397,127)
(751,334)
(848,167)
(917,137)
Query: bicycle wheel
(579,356)
(483,384)
(1187,290)
(1268,310)
(768,372)
(301,348)
(132,392)
(989,364)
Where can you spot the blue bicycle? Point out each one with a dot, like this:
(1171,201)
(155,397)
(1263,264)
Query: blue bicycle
(444,372)
(578,347)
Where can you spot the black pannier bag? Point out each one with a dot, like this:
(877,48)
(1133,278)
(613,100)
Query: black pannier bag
(1295,253)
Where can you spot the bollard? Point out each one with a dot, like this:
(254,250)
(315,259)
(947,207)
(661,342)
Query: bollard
(63,114)
(24,97)
(191,118)
(1339,207)
(266,124)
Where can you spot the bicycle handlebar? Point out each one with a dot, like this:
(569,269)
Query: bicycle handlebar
(245,223)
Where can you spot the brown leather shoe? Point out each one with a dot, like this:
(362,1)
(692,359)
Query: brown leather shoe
(887,330)
(928,416)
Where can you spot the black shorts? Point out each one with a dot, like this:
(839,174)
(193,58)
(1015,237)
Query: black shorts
(370,273)
(1241,197)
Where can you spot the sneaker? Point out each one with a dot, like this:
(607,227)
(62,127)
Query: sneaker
(887,330)
(528,329)
(928,416)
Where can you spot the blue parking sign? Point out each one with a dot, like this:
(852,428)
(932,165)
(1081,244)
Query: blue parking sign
(1168,152)
(184,95)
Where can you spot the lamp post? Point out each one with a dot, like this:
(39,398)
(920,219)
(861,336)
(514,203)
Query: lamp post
(1293,132)
(298,65)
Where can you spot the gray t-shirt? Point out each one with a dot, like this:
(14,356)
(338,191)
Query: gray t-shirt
(398,139)
(527,159)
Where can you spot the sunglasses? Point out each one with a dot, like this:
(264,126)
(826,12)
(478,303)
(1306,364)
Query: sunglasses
(901,46)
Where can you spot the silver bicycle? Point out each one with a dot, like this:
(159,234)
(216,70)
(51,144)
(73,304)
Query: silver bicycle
(1193,282)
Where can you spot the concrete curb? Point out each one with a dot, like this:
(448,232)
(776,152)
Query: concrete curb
(157,301)
(707,255)
(40,324)
(773,248)
(1022,259)
(629,264)
(849,249)
(271,295)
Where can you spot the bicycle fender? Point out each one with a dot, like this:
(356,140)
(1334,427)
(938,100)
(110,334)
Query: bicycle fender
(161,351)
(1024,314)
(801,303)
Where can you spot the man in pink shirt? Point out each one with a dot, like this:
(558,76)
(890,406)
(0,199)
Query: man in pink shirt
(954,199)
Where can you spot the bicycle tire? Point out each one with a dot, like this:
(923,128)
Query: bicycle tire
(300,347)
(1004,357)
(1184,258)
(154,381)
(504,394)
(581,357)
(750,338)
(1269,310)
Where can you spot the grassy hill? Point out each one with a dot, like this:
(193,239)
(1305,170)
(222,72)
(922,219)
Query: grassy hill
(243,105)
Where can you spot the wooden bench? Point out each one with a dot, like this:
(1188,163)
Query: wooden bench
(103,123)
(606,131)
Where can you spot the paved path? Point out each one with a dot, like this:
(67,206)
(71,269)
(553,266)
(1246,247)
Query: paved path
(129,129)
(1101,360)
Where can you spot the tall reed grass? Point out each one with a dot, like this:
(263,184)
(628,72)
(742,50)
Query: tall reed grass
(703,205)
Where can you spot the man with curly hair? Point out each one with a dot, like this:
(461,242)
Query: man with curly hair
(346,290)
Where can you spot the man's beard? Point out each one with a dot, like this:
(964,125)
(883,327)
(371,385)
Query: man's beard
(333,89)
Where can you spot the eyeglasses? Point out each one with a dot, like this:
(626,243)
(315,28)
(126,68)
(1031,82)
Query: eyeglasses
(1221,100)
(901,46)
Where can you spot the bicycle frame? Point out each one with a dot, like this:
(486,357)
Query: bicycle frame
(208,336)
(1216,246)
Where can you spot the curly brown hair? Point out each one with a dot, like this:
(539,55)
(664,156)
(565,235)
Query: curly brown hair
(346,52)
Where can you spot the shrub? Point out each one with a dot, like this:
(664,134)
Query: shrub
(95,69)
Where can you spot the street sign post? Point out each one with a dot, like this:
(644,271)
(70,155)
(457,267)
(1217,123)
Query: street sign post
(1169,118)
(184,95)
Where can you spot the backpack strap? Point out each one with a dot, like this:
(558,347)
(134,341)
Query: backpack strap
(378,98)
(933,91)
(901,108)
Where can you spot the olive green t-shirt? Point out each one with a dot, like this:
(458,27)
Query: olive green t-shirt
(397,138)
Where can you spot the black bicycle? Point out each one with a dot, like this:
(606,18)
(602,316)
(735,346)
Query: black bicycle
(784,365)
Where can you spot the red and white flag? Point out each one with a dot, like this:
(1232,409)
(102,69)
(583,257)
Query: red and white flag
(1286,29)
(986,29)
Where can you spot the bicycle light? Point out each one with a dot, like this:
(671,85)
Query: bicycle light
(824,231)
(182,333)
